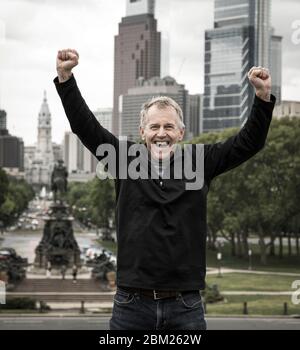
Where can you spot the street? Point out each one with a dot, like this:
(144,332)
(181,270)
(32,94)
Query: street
(25,243)
(101,323)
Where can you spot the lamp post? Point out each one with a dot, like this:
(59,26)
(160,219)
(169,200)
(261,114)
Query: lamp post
(250,259)
(219,257)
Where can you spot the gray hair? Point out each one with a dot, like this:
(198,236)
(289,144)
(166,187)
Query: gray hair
(161,102)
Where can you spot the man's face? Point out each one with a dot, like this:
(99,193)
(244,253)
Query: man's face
(161,131)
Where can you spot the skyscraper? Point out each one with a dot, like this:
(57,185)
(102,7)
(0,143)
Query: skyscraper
(249,13)
(78,159)
(276,65)
(137,7)
(104,117)
(241,38)
(11,149)
(196,114)
(2,121)
(137,51)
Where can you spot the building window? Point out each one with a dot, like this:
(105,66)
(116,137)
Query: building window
(137,46)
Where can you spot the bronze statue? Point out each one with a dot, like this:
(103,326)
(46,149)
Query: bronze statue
(59,181)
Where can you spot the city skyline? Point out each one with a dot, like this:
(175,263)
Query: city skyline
(32,31)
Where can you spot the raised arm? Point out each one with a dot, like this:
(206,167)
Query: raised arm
(82,121)
(223,156)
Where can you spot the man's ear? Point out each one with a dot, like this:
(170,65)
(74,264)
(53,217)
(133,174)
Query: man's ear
(142,133)
(181,134)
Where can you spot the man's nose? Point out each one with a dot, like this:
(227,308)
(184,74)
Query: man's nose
(161,132)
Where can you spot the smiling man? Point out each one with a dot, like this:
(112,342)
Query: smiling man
(161,126)
(161,224)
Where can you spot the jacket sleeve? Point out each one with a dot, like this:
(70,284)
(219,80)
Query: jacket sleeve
(223,156)
(82,121)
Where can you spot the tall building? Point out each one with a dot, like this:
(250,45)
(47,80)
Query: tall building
(132,102)
(44,150)
(165,55)
(78,159)
(29,152)
(11,149)
(261,11)
(104,117)
(70,147)
(248,13)
(12,154)
(196,114)
(137,51)
(276,66)
(57,152)
(241,38)
(2,120)
(39,168)
(137,7)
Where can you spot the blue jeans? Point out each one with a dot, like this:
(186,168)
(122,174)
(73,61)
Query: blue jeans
(132,311)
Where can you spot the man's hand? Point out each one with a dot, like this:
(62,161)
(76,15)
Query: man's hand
(66,60)
(260,78)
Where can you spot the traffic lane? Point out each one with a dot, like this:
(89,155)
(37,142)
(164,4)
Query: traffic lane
(102,323)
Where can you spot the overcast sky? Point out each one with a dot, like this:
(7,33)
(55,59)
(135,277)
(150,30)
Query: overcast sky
(31,32)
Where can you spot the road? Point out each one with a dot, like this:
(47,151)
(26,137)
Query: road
(101,323)
(25,243)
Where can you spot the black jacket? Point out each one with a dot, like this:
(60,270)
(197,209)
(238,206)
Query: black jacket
(161,226)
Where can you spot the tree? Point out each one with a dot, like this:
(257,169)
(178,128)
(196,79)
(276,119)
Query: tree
(261,196)
(15,194)
(103,199)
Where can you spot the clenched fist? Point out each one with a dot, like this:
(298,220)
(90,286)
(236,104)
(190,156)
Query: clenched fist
(260,78)
(66,60)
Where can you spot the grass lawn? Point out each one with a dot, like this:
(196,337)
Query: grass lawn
(18,311)
(251,282)
(286,264)
(257,305)
(112,246)
(24,232)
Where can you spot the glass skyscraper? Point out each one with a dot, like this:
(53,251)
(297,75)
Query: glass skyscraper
(240,39)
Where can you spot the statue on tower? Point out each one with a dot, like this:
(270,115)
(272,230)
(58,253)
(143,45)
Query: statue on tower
(59,181)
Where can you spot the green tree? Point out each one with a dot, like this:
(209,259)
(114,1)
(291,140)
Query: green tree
(14,198)
(261,196)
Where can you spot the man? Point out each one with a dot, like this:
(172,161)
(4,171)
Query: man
(161,226)
(63,271)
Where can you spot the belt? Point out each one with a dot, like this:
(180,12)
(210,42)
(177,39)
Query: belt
(153,293)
